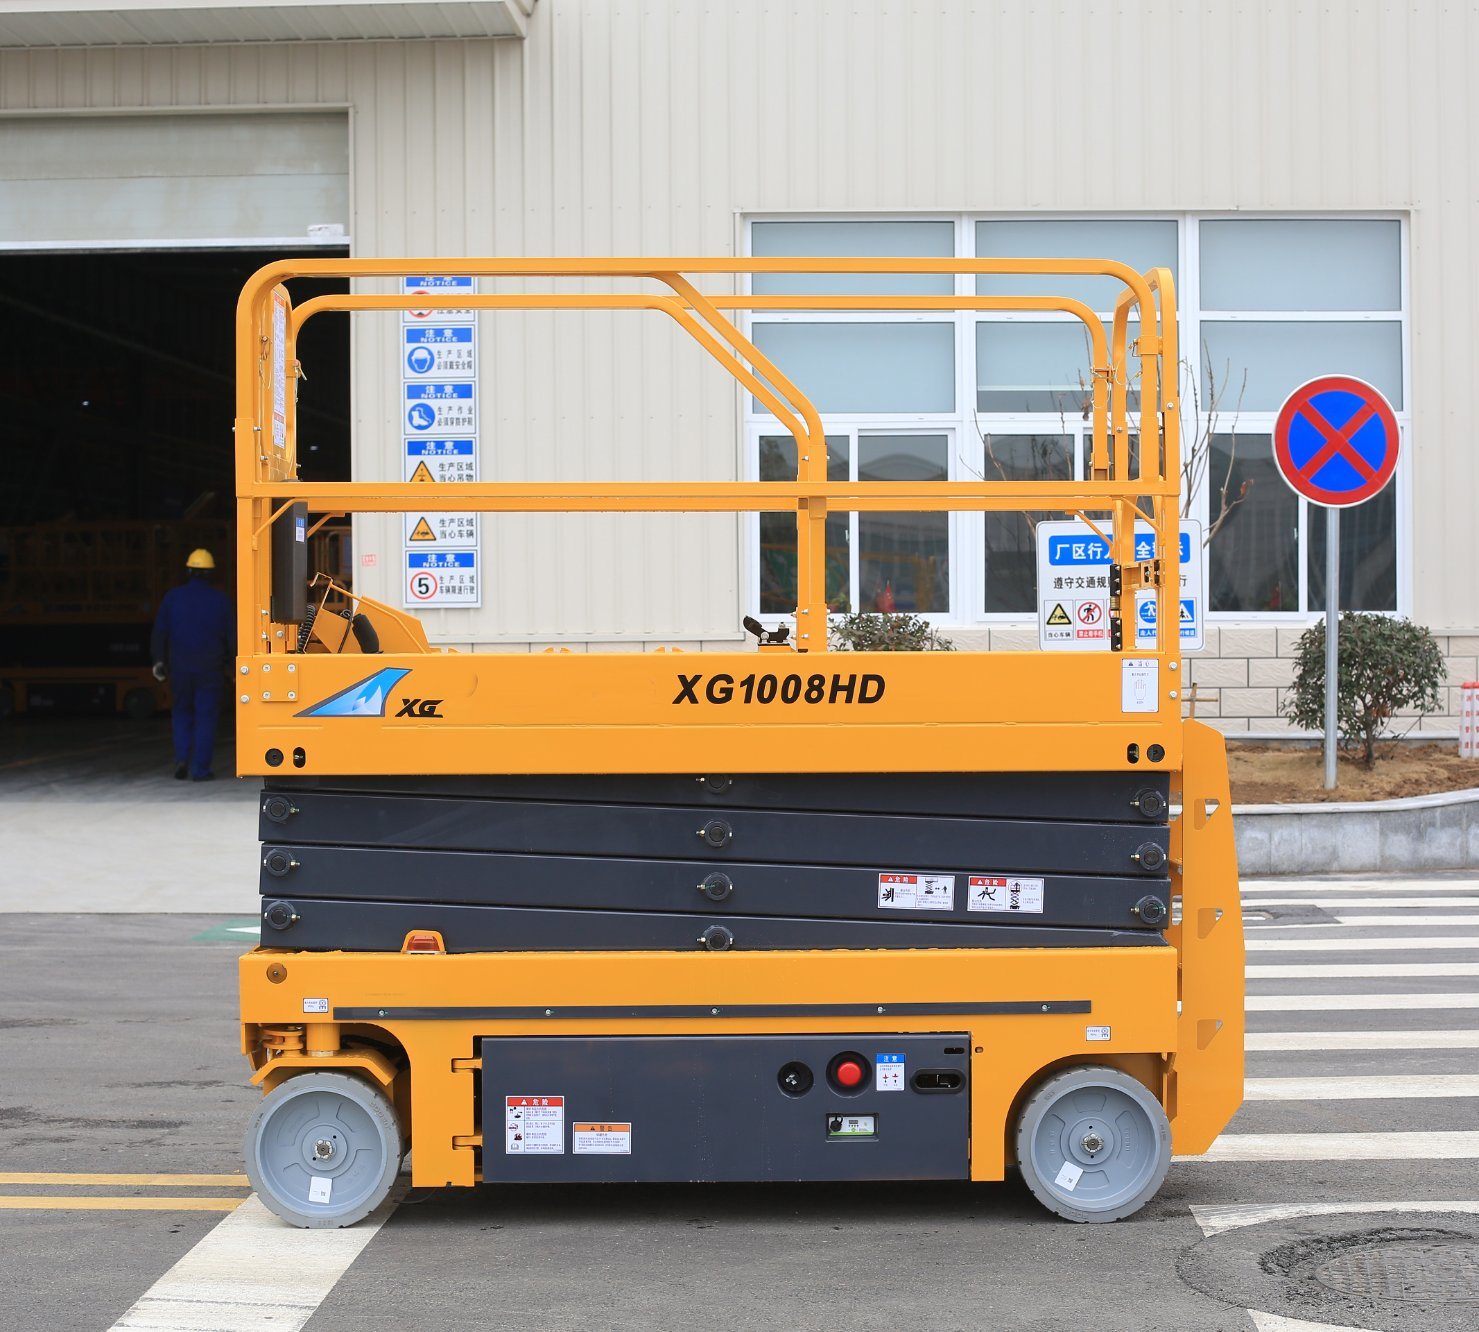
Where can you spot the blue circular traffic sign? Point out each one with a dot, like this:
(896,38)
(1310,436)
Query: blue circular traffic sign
(1336,441)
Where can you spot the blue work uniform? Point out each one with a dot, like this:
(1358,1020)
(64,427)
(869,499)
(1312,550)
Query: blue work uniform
(194,637)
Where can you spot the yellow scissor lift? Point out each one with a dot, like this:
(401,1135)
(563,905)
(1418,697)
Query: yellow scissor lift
(824,1006)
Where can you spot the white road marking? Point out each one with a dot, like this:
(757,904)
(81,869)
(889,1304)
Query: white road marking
(1267,1322)
(1465,943)
(1363,922)
(252,1271)
(1450,1146)
(1359,884)
(1217,1218)
(1256,1041)
(1307,899)
(1321,1003)
(1361,970)
(1400,1086)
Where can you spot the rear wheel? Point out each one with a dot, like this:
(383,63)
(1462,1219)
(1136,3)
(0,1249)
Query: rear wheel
(1093,1144)
(323,1150)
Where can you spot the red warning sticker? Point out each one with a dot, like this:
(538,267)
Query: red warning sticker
(534,1125)
(902,891)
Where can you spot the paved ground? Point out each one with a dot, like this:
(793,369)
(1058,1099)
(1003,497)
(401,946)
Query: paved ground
(123,1100)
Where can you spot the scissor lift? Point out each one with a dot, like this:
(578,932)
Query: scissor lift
(782,914)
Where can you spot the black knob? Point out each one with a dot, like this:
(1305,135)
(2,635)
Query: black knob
(716,833)
(716,939)
(278,808)
(1151,804)
(717,887)
(795,1079)
(718,785)
(1150,909)
(278,862)
(280,915)
(1150,857)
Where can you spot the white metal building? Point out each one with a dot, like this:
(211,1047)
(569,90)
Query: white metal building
(1309,171)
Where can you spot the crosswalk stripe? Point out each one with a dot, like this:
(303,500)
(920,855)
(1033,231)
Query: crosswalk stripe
(1417,1086)
(1268,1322)
(1440,1146)
(1216,1218)
(1362,922)
(1465,943)
(1258,1042)
(1466,885)
(252,1271)
(1255,903)
(1364,971)
(1319,1003)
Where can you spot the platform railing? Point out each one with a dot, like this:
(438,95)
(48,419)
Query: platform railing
(267,479)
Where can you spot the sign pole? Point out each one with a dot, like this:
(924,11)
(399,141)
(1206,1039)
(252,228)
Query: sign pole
(1336,443)
(1332,639)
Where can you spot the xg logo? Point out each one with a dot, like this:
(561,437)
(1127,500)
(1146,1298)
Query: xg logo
(419,707)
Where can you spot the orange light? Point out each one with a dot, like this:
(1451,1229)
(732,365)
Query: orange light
(424,941)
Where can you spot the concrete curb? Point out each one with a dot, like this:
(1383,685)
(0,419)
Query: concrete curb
(1432,832)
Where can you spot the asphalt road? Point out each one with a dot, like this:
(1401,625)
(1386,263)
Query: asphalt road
(117,1046)
(123,1100)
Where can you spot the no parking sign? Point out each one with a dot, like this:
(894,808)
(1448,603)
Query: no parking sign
(1336,443)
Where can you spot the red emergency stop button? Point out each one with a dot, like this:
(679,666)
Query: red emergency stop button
(848,1071)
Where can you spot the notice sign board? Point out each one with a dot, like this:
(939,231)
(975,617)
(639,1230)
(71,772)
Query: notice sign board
(1073,588)
(439,427)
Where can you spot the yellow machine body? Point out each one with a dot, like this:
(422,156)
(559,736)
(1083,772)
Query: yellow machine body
(411,1022)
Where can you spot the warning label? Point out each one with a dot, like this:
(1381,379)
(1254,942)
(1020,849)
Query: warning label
(1091,621)
(889,1072)
(422,531)
(1001,892)
(600,1139)
(917,892)
(534,1125)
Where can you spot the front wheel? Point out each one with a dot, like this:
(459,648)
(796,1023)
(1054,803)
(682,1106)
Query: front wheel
(323,1150)
(1093,1144)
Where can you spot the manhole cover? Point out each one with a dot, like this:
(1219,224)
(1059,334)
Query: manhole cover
(1422,1271)
(1394,1271)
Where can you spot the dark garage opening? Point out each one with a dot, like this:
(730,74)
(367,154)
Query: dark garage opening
(116,407)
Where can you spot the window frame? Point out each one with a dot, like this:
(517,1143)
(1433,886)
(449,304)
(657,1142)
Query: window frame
(963,427)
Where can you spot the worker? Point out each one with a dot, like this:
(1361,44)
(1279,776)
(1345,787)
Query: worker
(192,646)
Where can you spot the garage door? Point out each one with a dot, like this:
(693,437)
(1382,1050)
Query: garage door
(182,181)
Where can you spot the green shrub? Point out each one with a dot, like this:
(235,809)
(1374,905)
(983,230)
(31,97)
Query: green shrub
(888,632)
(1385,664)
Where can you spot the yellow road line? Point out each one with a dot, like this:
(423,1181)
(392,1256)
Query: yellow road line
(149,1181)
(19,1203)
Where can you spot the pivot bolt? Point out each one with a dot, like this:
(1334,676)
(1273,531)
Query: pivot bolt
(323,1150)
(1091,1142)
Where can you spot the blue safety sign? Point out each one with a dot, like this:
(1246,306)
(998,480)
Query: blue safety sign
(443,350)
(1336,441)
(1073,587)
(441,407)
(440,288)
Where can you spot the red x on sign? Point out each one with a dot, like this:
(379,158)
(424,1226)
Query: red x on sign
(1336,441)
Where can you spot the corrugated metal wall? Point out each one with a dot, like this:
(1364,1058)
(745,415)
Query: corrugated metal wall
(626,127)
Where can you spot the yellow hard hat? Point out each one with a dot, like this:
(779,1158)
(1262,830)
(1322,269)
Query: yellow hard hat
(200,559)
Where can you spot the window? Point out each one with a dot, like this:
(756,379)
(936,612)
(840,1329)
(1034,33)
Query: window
(1265,304)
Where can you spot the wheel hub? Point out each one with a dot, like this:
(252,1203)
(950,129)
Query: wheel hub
(323,1148)
(1090,1140)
